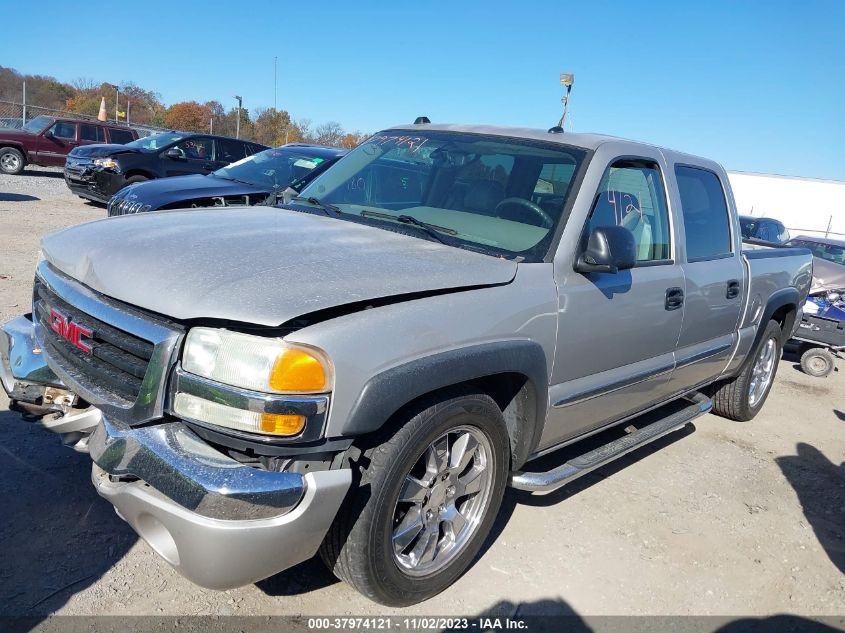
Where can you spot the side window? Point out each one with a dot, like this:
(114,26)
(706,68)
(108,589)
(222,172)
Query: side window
(197,148)
(706,221)
(783,233)
(121,137)
(631,194)
(229,151)
(89,132)
(64,129)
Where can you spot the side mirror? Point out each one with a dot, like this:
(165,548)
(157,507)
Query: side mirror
(609,250)
(175,153)
(48,134)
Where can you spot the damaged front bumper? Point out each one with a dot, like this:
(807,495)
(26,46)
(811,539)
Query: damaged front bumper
(219,522)
(36,391)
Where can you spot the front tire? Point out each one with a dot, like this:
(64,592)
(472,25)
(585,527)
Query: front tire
(425,502)
(741,398)
(135,179)
(12,161)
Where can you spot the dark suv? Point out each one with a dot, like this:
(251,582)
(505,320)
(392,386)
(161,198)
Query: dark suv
(96,172)
(46,140)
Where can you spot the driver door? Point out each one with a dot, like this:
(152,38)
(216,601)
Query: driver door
(195,156)
(617,332)
(56,143)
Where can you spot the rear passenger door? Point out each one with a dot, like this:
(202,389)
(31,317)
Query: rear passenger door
(616,332)
(714,273)
(89,134)
(229,151)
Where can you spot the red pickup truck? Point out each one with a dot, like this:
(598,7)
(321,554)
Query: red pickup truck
(47,140)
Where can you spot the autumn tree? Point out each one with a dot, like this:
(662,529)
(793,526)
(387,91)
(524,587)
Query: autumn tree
(330,133)
(188,116)
(353,140)
(272,127)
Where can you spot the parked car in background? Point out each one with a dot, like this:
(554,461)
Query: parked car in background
(826,248)
(364,370)
(98,172)
(47,140)
(257,179)
(763,230)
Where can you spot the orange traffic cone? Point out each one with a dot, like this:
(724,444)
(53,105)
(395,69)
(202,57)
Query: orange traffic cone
(102,116)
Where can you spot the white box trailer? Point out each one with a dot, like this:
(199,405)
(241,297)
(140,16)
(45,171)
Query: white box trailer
(807,206)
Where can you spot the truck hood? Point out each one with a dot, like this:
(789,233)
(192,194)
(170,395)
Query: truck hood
(260,265)
(165,191)
(100,150)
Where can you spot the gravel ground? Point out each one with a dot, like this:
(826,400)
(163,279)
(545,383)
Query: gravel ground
(722,518)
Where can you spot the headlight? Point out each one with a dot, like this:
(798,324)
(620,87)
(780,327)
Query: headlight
(254,363)
(108,163)
(258,363)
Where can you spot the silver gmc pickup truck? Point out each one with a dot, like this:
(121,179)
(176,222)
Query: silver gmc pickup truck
(363,370)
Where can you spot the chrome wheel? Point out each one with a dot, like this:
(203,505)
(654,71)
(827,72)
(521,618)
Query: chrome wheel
(442,501)
(10,162)
(762,372)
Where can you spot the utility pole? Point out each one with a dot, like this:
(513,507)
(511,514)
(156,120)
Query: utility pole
(238,123)
(23,114)
(566,79)
(116,96)
(128,103)
(275,80)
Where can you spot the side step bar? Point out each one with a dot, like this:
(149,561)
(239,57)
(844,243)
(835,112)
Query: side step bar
(582,464)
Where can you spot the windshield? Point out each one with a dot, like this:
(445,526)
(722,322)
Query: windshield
(499,195)
(831,252)
(156,141)
(274,168)
(38,123)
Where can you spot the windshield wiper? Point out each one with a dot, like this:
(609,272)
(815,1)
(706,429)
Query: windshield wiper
(325,206)
(432,229)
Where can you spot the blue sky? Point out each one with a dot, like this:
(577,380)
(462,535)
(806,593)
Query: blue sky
(759,86)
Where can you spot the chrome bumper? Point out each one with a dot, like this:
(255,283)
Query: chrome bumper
(23,370)
(219,523)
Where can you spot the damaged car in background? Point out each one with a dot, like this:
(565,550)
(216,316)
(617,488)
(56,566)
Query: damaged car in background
(263,178)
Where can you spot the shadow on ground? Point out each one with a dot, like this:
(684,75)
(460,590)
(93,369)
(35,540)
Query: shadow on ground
(820,485)
(16,197)
(57,536)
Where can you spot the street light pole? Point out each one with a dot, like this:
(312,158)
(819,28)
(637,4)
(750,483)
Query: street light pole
(238,124)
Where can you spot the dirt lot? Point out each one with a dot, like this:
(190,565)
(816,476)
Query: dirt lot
(725,518)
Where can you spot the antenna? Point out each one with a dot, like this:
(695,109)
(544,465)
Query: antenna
(566,79)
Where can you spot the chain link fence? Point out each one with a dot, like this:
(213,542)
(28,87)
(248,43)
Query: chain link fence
(15,115)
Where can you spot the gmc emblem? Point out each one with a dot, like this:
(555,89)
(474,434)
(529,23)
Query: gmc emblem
(70,331)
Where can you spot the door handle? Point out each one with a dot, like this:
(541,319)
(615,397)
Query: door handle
(733,289)
(674,298)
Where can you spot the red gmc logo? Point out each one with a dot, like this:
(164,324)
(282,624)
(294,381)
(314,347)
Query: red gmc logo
(67,329)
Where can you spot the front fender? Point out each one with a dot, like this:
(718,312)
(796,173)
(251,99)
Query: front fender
(389,391)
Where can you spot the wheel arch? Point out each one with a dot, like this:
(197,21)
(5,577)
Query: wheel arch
(140,172)
(512,373)
(782,307)
(18,146)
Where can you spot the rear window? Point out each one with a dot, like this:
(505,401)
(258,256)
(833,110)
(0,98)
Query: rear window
(706,220)
(120,136)
(229,151)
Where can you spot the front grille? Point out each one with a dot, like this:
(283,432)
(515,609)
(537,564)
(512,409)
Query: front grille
(117,361)
(122,206)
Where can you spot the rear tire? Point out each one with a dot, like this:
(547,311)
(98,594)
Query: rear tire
(418,487)
(818,362)
(12,161)
(741,397)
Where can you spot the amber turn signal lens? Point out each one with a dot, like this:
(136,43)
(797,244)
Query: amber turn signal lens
(279,424)
(298,371)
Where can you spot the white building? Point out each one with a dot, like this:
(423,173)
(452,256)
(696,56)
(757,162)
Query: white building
(808,206)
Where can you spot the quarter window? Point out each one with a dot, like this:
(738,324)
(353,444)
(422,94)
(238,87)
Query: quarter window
(229,151)
(706,220)
(63,129)
(631,195)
